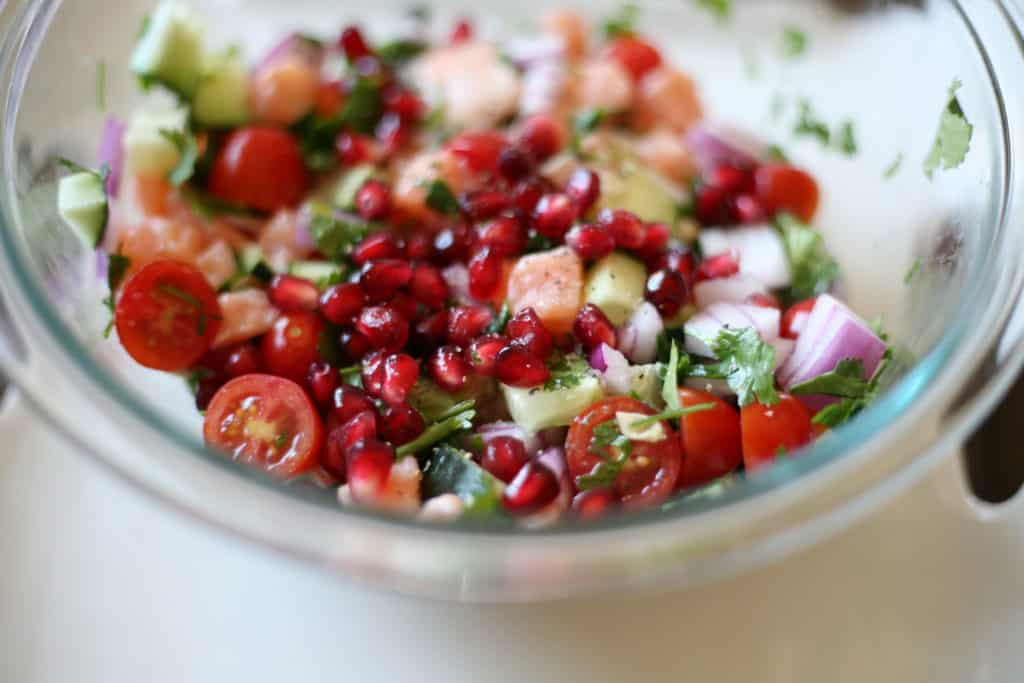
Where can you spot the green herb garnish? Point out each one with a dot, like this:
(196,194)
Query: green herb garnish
(440,198)
(670,387)
(794,42)
(335,234)
(398,52)
(117,268)
(623,23)
(719,9)
(189,150)
(953,139)
(915,268)
(567,372)
(497,325)
(583,123)
(846,139)
(457,419)
(746,363)
(605,437)
(809,125)
(845,379)
(670,414)
(193,302)
(813,268)
(363,106)
(893,167)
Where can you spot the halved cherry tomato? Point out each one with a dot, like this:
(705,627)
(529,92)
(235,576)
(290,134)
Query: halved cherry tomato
(784,188)
(789,318)
(710,439)
(479,151)
(260,167)
(636,56)
(771,430)
(167,316)
(650,474)
(267,422)
(290,347)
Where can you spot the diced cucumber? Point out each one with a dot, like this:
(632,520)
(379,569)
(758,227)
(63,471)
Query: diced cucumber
(222,96)
(616,285)
(645,382)
(539,408)
(170,49)
(320,272)
(249,257)
(148,151)
(344,195)
(82,202)
(449,470)
(641,191)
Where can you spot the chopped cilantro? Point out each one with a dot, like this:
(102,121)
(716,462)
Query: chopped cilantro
(837,413)
(671,414)
(813,268)
(893,167)
(208,206)
(846,380)
(189,150)
(915,268)
(538,242)
(400,51)
(670,387)
(362,106)
(794,42)
(603,439)
(746,363)
(583,123)
(117,268)
(953,139)
(674,336)
(103,173)
(776,153)
(567,372)
(335,233)
(809,125)
(846,139)
(459,418)
(719,9)
(440,197)
(317,134)
(101,85)
(497,325)
(623,23)
(350,371)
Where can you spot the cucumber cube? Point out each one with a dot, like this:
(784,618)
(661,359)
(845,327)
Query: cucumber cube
(82,202)
(538,408)
(222,95)
(147,151)
(616,285)
(170,50)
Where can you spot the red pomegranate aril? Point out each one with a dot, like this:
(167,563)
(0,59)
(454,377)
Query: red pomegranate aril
(514,164)
(352,149)
(400,424)
(400,374)
(373,200)
(452,244)
(419,247)
(764,301)
(528,192)
(594,503)
(430,332)
(679,260)
(725,264)
(383,327)
(590,241)
(206,388)
(668,291)
(359,427)
(341,303)
(372,372)
(353,44)
(533,488)
(462,33)
(428,286)
(484,274)
(404,103)
(379,245)
(244,359)
(505,236)
(732,179)
(655,240)
(484,204)
(525,329)
(406,305)
(483,351)
(290,294)
(466,323)
(368,468)
(593,328)
(584,188)
(354,344)
(323,379)
(714,206)
(347,402)
(503,457)
(625,227)
(541,136)
(448,368)
(554,215)
(382,278)
(479,151)
(747,209)
(517,367)
(333,457)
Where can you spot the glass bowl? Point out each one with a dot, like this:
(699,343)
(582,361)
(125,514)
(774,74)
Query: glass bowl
(886,67)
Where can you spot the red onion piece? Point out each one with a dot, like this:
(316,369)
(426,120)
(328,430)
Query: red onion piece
(812,335)
(112,153)
(617,376)
(714,145)
(638,337)
(766,320)
(700,329)
(729,289)
(303,237)
(495,429)
(554,459)
(762,252)
(730,315)
(102,264)
(597,358)
(783,350)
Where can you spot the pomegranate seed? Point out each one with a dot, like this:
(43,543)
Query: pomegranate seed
(405,304)
(655,240)
(479,151)
(503,457)
(626,229)
(452,244)
(404,103)
(732,179)
(505,236)
(517,367)
(207,387)
(554,215)
(714,206)
(764,301)
(379,245)
(341,303)
(483,351)
(668,291)
(372,372)
(725,264)
(373,200)
(591,242)
(368,467)
(484,204)
(541,136)
(593,503)
(428,286)
(323,380)
(359,427)
(533,487)
(382,278)
(419,247)
(430,332)
(244,359)
(484,274)
(584,188)
(383,327)
(592,327)
(525,329)
(467,322)
(355,345)
(462,33)
(748,210)
(400,424)
(528,192)
(392,132)
(333,458)
(448,368)
(679,260)
(514,164)
(292,294)
(353,44)
(352,149)
(347,402)
(400,374)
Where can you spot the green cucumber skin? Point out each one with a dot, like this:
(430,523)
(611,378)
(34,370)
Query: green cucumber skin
(82,203)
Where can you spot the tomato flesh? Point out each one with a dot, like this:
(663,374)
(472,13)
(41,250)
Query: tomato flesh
(650,474)
(636,56)
(167,316)
(781,187)
(291,345)
(710,439)
(267,422)
(789,318)
(260,167)
(770,431)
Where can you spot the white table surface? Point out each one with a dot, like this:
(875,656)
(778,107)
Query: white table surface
(100,584)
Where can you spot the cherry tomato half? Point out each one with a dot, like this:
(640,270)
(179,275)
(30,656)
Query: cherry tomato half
(167,316)
(791,318)
(710,439)
(781,187)
(636,56)
(769,430)
(260,167)
(267,422)
(650,474)
(290,347)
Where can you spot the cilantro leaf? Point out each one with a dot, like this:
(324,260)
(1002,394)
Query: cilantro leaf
(794,42)
(915,268)
(363,106)
(583,123)
(458,419)
(893,167)
(440,197)
(846,380)
(670,387)
(117,268)
(953,139)
(748,365)
(623,23)
(208,206)
(812,267)
(776,153)
(605,437)
(189,150)
(335,233)
(846,139)
(808,125)
(837,413)
(497,325)
(719,9)
(103,173)
(400,51)
(666,339)
(671,414)
(567,372)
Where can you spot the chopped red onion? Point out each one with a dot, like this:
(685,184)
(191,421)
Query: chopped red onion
(701,329)
(799,322)
(730,289)
(490,431)
(554,459)
(597,358)
(766,320)
(112,153)
(783,349)
(102,264)
(638,336)
(812,335)
(303,236)
(714,145)
(730,315)
(762,253)
(616,374)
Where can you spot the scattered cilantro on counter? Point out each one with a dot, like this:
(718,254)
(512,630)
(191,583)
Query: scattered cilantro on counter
(847,139)
(893,167)
(809,125)
(794,42)
(953,139)
(721,10)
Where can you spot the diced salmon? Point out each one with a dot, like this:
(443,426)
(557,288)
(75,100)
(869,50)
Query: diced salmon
(401,493)
(160,238)
(666,97)
(568,26)
(664,151)
(217,263)
(279,243)
(604,84)
(246,314)
(149,195)
(552,283)
(283,92)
